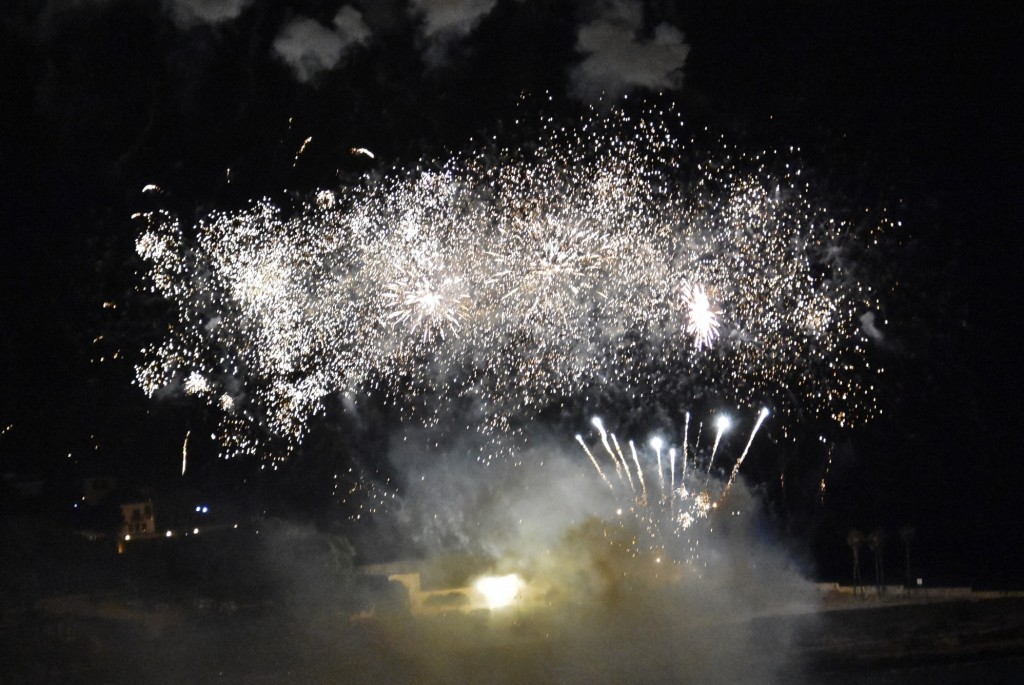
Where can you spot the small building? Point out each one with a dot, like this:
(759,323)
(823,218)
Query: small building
(138,519)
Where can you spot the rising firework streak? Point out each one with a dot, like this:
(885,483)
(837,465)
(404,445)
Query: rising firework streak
(690,498)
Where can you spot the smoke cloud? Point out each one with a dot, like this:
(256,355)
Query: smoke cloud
(870,328)
(445,21)
(350,26)
(604,600)
(187,14)
(617,57)
(451,17)
(310,48)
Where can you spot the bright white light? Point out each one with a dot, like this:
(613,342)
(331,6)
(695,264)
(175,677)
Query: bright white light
(499,591)
(195,531)
(127,538)
(702,319)
(196,384)
(168,534)
(598,423)
(723,423)
(657,442)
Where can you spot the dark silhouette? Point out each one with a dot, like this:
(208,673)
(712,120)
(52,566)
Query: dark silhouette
(855,539)
(907,535)
(876,542)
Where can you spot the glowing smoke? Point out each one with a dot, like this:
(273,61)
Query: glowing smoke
(679,606)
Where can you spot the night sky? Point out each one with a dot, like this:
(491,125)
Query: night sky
(914,107)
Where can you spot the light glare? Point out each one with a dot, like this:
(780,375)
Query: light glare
(499,591)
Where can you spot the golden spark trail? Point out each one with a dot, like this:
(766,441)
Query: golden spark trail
(639,472)
(672,470)
(686,443)
(625,464)
(657,444)
(824,476)
(599,425)
(723,425)
(579,439)
(184,452)
(739,462)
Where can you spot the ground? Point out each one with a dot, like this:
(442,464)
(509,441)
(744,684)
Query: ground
(962,637)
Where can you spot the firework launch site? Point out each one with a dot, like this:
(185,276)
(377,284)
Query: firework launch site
(320,621)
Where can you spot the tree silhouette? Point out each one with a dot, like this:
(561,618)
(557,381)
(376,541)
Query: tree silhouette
(855,539)
(876,542)
(907,535)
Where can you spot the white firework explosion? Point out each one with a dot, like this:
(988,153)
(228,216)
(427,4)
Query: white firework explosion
(519,279)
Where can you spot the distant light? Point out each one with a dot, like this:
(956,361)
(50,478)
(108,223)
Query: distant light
(195,531)
(198,509)
(127,538)
(167,534)
(618,512)
(206,509)
(597,423)
(236,525)
(723,423)
(499,591)
(657,443)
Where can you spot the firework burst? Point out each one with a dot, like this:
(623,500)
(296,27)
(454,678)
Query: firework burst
(701,319)
(517,280)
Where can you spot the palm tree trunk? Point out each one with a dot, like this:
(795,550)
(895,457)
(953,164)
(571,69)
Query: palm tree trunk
(908,564)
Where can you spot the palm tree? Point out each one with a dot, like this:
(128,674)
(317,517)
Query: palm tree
(855,539)
(907,535)
(876,541)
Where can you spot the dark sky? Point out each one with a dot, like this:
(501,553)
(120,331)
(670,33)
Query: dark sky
(914,106)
